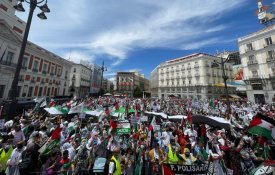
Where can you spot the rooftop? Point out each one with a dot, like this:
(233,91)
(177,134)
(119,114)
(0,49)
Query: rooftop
(188,57)
(264,30)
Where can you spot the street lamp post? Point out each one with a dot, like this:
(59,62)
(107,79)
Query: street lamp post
(103,69)
(19,7)
(225,78)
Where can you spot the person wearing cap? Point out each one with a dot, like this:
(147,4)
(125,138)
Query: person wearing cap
(114,164)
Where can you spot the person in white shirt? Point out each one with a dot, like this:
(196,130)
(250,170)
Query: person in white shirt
(192,134)
(14,160)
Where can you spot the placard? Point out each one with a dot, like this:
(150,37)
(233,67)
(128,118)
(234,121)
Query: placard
(144,118)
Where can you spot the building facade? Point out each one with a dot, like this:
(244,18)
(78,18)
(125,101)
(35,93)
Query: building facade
(107,86)
(80,80)
(43,73)
(7,12)
(127,82)
(195,75)
(258,61)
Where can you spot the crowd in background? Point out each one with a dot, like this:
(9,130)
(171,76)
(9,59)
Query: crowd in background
(40,143)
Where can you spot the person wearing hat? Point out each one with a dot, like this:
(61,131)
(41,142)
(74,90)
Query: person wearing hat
(114,164)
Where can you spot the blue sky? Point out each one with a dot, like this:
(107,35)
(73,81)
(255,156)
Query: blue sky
(140,34)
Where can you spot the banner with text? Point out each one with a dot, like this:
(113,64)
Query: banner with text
(170,169)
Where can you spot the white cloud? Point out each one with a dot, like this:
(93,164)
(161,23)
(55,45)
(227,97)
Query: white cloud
(77,57)
(117,28)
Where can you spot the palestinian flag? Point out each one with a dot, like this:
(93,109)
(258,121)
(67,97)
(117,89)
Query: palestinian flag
(263,126)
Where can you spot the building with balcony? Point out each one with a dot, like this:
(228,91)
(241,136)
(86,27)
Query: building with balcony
(43,73)
(257,52)
(80,80)
(195,75)
(127,82)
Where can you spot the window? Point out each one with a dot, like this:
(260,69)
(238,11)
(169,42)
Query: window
(25,89)
(273,85)
(24,63)
(254,73)
(270,54)
(40,91)
(9,58)
(257,86)
(268,41)
(74,70)
(45,66)
(52,70)
(2,89)
(249,47)
(251,58)
(18,91)
(48,92)
(30,91)
(35,66)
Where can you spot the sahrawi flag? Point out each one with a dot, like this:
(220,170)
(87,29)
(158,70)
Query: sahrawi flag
(53,142)
(152,125)
(262,125)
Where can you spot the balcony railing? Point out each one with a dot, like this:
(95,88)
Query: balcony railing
(182,69)
(197,74)
(252,62)
(52,74)
(24,67)
(249,50)
(189,67)
(7,63)
(196,66)
(35,70)
(189,76)
(214,75)
(255,76)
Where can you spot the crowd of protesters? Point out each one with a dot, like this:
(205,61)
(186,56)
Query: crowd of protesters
(40,143)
